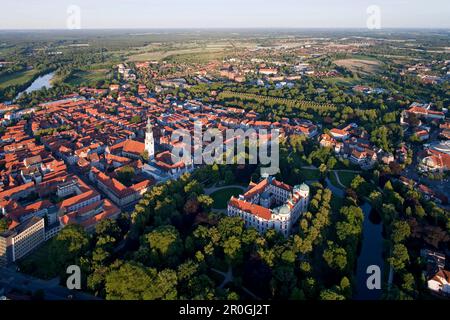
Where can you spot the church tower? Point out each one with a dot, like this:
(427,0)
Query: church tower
(149,140)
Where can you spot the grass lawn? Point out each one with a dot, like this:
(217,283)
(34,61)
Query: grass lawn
(88,76)
(361,64)
(310,174)
(181,53)
(221,197)
(200,57)
(345,177)
(336,203)
(17,78)
(333,180)
(342,81)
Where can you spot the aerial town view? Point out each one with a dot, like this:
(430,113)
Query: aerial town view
(172,161)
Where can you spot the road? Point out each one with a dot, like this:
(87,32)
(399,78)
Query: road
(441,186)
(209,191)
(11,279)
(335,190)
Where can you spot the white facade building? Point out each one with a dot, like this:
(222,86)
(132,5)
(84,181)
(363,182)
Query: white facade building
(149,140)
(18,242)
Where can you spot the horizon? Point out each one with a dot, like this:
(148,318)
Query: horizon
(234,14)
(214,29)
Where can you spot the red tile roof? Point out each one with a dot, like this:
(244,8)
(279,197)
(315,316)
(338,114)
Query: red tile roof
(249,207)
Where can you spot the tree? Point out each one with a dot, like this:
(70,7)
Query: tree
(328,294)
(345,287)
(215,174)
(135,119)
(380,136)
(228,177)
(108,227)
(323,169)
(409,283)
(165,245)
(193,187)
(331,163)
(233,296)
(4,223)
(99,256)
(376,198)
(191,206)
(145,156)
(164,286)
(399,257)
(283,281)
(205,202)
(126,174)
(351,227)
(359,184)
(232,249)
(230,226)
(401,231)
(129,282)
(68,246)
(187,270)
(296,142)
(335,257)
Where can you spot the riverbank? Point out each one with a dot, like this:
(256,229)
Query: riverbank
(371,254)
(371,249)
(35,80)
(42,81)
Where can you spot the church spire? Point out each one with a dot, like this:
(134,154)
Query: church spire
(149,124)
(149,140)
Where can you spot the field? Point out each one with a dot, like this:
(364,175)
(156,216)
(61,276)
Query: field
(88,76)
(300,104)
(199,51)
(201,57)
(364,66)
(221,197)
(18,78)
(336,203)
(341,81)
(310,174)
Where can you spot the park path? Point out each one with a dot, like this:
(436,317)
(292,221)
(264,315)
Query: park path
(334,189)
(311,167)
(228,277)
(339,180)
(211,190)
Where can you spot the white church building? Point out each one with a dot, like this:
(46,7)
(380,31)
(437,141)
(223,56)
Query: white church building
(161,166)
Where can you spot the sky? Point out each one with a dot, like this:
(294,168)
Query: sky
(101,14)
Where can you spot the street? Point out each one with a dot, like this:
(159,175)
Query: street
(11,279)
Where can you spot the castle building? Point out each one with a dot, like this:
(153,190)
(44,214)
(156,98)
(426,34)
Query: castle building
(270,204)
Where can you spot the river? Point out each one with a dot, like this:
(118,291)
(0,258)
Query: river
(371,254)
(43,81)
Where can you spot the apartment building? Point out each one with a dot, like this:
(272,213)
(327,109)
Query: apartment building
(19,240)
